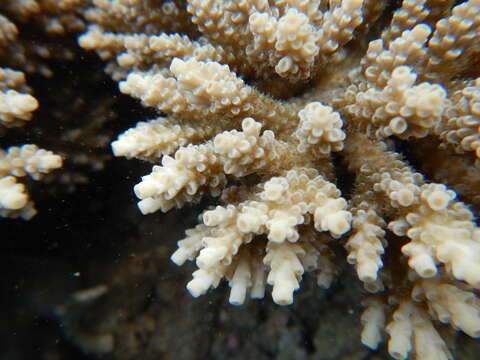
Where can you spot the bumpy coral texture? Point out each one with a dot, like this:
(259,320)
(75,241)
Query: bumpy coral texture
(268,105)
(18,56)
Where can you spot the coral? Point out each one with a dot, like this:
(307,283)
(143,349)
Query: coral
(34,31)
(18,162)
(213,70)
(16,108)
(35,36)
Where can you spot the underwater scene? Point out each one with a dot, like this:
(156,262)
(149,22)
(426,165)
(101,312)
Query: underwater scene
(240,179)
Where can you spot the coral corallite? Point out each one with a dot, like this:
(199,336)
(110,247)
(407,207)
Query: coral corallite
(263,104)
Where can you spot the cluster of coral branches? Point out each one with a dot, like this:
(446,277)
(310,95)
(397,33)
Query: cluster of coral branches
(19,55)
(267,105)
(35,35)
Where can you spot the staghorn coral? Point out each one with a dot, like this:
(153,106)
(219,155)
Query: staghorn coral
(32,32)
(35,37)
(16,107)
(18,162)
(212,70)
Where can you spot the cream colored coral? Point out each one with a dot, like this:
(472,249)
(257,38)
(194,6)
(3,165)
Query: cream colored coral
(331,214)
(15,106)
(276,209)
(286,201)
(190,245)
(42,16)
(137,50)
(198,167)
(281,38)
(400,330)
(214,245)
(400,185)
(319,129)
(18,162)
(384,171)
(108,43)
(247,151)
(254,98)
(402,108)
(407,49)
(285,271)
(28,160)
(226,242)
(338,25)
(450,304)
(218,256)
(441,230)
(26,212)
(461,131)
(152,139)
(366,244)
(454,34)
(373,322)
(12,195)
(293,39)
(412,12)
(179,179)
(225,23)
(56,16)
(137,16)
(412,331)
(241,280)
(198,88)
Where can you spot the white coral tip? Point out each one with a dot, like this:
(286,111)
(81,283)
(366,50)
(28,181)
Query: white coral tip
(149,205)
(282,294)
(424,266)
(145,189)
(201,282)
(338,223)
(180,256)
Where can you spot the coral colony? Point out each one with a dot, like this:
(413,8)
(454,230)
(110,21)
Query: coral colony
(267,106)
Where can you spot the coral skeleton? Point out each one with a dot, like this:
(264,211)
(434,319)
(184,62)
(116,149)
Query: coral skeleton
(268,106)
